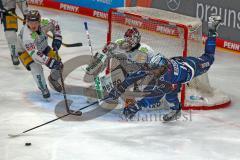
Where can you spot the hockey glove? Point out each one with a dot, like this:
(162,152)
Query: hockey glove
(54,64)
(116,92)
(130,111)
(109,48)
(57,42)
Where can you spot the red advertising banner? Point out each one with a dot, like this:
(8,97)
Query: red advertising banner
(234,46)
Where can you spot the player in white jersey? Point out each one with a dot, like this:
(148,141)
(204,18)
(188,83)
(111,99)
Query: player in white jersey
(10,23)
(124,56)
(126,51)
(36,52)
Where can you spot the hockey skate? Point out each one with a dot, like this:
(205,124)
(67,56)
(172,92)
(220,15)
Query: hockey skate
(174,114)
(55,84)
(15,60)
(213,23)
(45,93)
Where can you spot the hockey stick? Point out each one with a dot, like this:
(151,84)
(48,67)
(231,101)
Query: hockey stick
(64,44)
(99,95)
(88,37)
(77,113)
(19,134)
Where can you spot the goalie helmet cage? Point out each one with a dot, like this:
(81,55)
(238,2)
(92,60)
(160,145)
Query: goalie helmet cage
(171,34)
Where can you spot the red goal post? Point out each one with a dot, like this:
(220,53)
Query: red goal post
(164,26)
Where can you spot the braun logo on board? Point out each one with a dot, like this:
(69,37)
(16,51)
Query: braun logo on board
(231,17)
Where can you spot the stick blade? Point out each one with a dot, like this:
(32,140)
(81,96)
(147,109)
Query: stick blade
(14,135)
(75,113)
(73,45)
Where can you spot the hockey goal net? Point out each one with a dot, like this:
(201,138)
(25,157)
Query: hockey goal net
(172,35)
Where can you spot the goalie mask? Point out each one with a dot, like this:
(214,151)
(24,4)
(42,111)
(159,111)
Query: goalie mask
(132,38)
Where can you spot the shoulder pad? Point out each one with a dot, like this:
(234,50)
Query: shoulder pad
(119,41)
(146,49)
(45,21)
(143,49)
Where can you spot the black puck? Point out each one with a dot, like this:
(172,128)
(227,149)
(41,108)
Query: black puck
(28,144)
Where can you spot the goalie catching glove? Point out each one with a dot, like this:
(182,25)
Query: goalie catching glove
(109,48)
(98,62)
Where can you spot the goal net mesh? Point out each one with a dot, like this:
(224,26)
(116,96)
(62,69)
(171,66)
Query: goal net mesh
(170,34)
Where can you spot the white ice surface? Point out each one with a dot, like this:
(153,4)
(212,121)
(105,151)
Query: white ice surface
(210,135)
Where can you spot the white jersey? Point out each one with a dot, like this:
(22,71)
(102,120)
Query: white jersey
(11,4)
(133,58)
(122,63)
(35,43)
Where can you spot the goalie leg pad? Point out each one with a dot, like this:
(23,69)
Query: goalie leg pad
(112,80)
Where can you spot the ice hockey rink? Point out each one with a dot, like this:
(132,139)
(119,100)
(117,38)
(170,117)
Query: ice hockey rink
(209,135)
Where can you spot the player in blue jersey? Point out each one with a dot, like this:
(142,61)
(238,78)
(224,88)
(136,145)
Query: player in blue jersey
(169,75)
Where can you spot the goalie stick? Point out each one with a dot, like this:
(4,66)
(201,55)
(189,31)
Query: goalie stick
(88,37)
(19,134)
(96,79)
(64,44)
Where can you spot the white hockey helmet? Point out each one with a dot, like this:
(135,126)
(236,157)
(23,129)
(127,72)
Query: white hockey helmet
(132,36)
(158,61)
(33,15)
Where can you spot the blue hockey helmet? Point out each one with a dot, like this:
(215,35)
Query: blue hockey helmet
(158,61)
